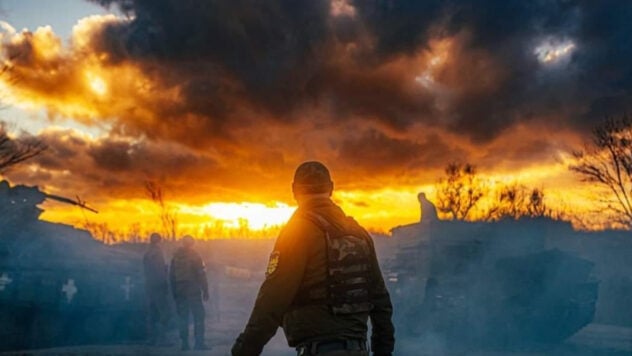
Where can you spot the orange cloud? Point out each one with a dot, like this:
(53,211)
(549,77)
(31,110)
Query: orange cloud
(219,103)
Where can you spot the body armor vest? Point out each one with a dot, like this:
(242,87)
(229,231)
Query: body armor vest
(183,267)
(346,286)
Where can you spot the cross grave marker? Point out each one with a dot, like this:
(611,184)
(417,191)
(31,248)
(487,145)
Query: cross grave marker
(127,287)
(4,281)
(70,289)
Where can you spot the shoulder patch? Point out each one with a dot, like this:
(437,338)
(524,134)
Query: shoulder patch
(273,263)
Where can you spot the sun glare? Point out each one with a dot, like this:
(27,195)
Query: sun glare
(258,216)
(97,84)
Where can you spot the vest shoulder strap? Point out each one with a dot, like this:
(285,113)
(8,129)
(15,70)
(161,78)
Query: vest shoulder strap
(347,280)
(318,220)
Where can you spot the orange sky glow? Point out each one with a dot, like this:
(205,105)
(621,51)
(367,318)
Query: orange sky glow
(230,178)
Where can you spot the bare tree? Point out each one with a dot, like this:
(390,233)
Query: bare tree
(133,233)
(516,201)
(100,231)
(459,191)
(17,150)
(607,161)
(168,216)
(536,206)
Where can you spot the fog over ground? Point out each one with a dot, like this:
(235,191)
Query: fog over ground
(236,269)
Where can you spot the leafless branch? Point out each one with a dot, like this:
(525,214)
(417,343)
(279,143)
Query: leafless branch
(607,161)
(460,191)
(17,150)
(168,215)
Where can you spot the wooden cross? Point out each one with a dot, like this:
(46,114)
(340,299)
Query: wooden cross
(127,287)
(4,281)
(70,289)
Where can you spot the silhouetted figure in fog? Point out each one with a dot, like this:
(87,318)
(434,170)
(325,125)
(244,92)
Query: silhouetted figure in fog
(323,281)
(428,210)
(156,290)
(189,286)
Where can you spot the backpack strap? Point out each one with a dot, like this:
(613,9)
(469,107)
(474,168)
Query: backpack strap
(318,220)
(304,297)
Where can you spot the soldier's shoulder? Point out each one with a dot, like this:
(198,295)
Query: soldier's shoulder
(196,255)
(301,223)
(354,224)
(150,253)
(298,230)
(179,253)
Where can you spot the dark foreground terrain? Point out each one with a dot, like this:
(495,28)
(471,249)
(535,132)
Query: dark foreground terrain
(235,272)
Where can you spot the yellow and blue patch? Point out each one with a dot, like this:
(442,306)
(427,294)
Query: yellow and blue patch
(273,263)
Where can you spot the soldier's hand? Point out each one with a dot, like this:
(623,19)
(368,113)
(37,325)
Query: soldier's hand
(205,295)
(239,349)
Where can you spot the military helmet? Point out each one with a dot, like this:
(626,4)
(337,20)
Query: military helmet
(312,177)
(188,240)
(155,238)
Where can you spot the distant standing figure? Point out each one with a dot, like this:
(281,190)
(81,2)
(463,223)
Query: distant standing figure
(156,290)
(189,286)
(428,210)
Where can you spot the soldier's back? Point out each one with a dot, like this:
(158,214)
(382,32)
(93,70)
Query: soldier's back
(184,272)
(155,268)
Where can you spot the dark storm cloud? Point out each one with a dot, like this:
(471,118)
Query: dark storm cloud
(270,48)
(606,70)
(596,81)
(152,159)
(120,166)
(261,85)
(504,33)
(373,151)
(62,147)
(400,26)
(280,56)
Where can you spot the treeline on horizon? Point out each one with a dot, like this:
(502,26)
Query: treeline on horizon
(461,194)
(605,162)
(217,229)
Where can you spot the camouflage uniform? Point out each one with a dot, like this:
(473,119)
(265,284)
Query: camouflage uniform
(188,283)
(156,290)
(294,294)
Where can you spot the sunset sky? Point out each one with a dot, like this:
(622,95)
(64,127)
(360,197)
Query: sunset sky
(219,101)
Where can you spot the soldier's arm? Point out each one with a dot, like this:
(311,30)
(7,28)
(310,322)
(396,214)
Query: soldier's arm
(283,278)
(172,279)
(200,276)
(161,267)
(383,336)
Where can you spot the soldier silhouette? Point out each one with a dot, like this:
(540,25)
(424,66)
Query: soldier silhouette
(323,281)
(156,291)
(189,286)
